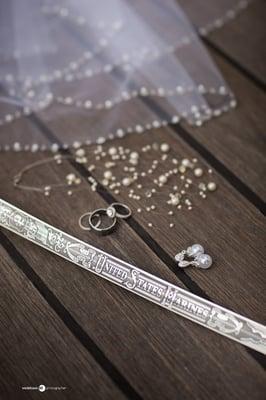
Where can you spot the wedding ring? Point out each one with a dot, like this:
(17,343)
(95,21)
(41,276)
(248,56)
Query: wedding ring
(112,212)
(125,211)
(97,214)
(87,227)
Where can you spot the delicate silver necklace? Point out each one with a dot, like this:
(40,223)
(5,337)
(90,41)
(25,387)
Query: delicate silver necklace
(136,280)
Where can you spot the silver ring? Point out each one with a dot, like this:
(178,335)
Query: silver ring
(122,206)
(98,213)
(87,227)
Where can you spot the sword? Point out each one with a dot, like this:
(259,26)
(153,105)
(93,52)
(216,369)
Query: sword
(133,279)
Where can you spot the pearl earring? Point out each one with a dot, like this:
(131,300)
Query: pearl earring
(196,253)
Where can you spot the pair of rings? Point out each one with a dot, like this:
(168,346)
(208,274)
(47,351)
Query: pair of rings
(96,218)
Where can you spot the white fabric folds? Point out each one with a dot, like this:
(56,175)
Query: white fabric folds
(95,69)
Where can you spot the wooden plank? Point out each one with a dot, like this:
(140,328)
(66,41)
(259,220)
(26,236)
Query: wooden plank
(35,346)
(145,336)
(172,356)
(237,138)
(241,39)
(228,198)
(223,222)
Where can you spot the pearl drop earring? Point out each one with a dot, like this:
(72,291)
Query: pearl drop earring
(196,253)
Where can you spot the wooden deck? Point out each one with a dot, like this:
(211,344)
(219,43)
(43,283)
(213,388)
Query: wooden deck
(61,326)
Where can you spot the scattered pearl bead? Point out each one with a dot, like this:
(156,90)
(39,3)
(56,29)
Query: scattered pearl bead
(71,177)
(127,181)
(80,152)
(171,225)
(185,162)
(134,161)
(198,172)
(150,224)
(212,186)
(165,147)
(112,151)
(134,155)
(175,201)
(162,179)
(108,174)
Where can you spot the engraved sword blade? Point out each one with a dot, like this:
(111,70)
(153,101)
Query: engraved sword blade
(136,280)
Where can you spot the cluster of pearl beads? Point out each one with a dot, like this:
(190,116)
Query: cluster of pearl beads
(119,170)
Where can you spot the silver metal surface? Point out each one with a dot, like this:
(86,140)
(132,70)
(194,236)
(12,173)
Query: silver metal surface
(148,286)
(112,212)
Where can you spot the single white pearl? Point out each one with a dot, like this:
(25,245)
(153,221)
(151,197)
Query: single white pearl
(165,147)
(71,177)
(126,181)
(80,152)
(204,260)
(134,155)
(212,186)
(175,201)
(198,172)
(195,249)
(108,174)
(134,161)
(162,179)
(185,162)
(112,151)
(88,104)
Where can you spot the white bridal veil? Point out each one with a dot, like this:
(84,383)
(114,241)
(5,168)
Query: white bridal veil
(97,69)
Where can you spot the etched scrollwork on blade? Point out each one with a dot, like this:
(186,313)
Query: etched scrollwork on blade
(229,324)
(80,254)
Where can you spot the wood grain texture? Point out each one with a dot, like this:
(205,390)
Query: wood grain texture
(146,336)
(238,139)
(105,342)
(35,346)
(243,40)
